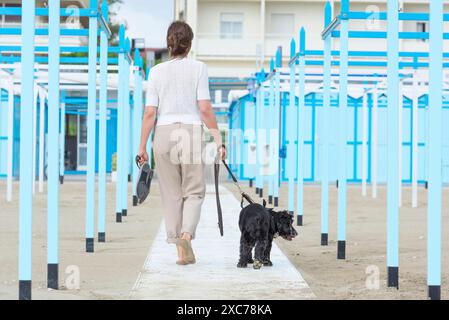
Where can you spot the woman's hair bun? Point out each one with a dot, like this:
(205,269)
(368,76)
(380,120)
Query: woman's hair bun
(179,38)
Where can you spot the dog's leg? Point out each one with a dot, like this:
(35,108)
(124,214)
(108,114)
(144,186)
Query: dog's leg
(245,252)
(249,257)
(259,253)
(266,259)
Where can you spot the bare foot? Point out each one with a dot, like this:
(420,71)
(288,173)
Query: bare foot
(188,255)
(181,261)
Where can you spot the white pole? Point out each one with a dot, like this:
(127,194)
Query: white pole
(9,159)
(401,106)
(415,156)
(374,144)
(41,139)
(364,143)
(34,137)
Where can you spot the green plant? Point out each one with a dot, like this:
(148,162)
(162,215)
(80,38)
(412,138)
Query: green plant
(114,162)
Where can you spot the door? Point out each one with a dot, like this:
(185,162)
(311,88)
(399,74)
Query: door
(82,143)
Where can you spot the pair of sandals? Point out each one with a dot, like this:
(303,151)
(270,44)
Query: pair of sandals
(189,257)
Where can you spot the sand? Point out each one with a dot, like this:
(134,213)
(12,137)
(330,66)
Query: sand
(330,278)
(111,272)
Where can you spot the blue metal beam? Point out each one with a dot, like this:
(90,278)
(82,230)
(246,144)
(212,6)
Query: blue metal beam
(26,148)
(102,135)
(53,146)
(342,135)
(300,129)
(325,130)
(45,12)
(435,151)
(91,131)
(290,132)
(393,145)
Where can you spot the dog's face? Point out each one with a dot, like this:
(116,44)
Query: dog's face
(284,224)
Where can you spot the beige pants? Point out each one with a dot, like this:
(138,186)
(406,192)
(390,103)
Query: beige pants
(180,170)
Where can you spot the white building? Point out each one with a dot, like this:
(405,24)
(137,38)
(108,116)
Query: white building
(234,37)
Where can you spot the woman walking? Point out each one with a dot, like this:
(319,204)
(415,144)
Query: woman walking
(178,96)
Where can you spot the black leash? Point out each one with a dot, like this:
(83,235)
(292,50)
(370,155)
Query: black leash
(217,194)
(236,183)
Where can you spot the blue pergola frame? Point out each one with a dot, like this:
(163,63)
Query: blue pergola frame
(436,65)
(393,60)
(27,54)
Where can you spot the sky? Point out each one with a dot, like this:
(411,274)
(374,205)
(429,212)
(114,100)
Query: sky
(147,19)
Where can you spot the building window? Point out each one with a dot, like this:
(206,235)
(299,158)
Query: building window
(421,27)
(282,24)
(231,25)
(10,19)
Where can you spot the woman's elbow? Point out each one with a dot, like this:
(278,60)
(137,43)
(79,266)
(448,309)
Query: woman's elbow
(150,113)
(205,107)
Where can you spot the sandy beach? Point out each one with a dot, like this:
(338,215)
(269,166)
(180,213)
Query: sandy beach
(111,272)
(330,278)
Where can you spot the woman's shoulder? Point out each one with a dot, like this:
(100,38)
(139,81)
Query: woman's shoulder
(155,70)
(159,66)
(196,63)
(192,64)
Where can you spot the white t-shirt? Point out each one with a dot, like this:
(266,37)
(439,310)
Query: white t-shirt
(175,87)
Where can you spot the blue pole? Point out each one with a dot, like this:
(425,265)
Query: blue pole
(269,127)
(26,148)
(277,130)
(91,130)
(126,134)
(261,133)
(53,145)
(257,131)
(325,130)
(291,156)
(242,122)
(120,107)
(264,135)
(342,134)
(62,139)
(435,150)
(393,144)
(300,128)
(138,109)
(102,129)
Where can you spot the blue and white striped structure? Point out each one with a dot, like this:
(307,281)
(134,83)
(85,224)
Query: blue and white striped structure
(53,98)
(26,147)
(434,247)
(381,103)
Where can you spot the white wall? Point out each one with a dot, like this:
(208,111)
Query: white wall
(235,57)
(210,44)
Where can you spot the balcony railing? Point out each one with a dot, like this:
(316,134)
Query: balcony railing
(239,46)
(215,44)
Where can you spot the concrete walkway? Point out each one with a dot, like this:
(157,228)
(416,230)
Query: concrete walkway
(215,276)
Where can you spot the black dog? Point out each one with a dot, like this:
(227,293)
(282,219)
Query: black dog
(259,226)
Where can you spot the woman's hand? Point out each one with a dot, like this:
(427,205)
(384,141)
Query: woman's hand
(222,152)
(149,118)
(143,156)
